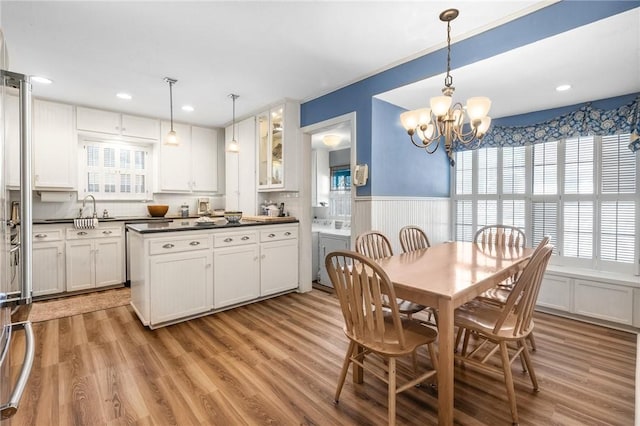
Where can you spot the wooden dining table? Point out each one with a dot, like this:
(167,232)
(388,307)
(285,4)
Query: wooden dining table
(444,277)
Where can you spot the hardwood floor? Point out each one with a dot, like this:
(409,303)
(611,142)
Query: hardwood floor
(277,362)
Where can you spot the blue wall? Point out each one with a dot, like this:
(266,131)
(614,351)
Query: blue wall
(399,168)
(546,22)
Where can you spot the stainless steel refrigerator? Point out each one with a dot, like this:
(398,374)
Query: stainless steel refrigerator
(16,235)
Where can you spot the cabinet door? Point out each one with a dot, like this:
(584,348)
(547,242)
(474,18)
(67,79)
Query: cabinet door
(327,245)
(264,146)
(278,266)
(181,285)
(204,159)
(54,146)
(80,264)
(109,256)
(175,160)
(277,154)
(12,140)
(247,196)
(236,275)
(140,127)
(95,120)
(48,268)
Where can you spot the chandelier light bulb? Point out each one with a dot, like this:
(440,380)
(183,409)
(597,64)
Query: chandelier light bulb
(409,120)
(478,107)
(440,105)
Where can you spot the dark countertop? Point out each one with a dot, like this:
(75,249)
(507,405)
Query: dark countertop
(191,225)
(127,219)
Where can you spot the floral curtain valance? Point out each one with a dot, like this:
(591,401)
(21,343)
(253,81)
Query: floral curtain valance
(587,120)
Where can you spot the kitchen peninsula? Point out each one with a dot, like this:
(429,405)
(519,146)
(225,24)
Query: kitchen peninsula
(185,269)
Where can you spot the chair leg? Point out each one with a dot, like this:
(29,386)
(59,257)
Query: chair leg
(527,360)
(433,356)
(458,337)
(508,381)
(392,391)
(345,369)
(532,341)
(414,358)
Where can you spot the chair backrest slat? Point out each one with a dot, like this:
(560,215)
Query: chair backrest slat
(374,245)
(413,238)
(501,236)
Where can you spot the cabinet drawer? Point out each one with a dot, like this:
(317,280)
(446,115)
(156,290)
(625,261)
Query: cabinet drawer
(235,239)
(173,245)
(75,234)
(278,234)
(40,235)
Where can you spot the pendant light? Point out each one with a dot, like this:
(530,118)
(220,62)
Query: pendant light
(233,145)
(172,137)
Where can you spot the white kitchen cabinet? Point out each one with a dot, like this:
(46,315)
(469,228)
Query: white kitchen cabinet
(12,140)
(55,146)
(114,123)
(278,266)
(240,168)
(236,275)
(182,285)
(192,165)
(48,260)
(94,258)
(329,243)
(278,147)
(204,159)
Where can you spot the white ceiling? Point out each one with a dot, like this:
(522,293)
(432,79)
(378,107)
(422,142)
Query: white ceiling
(266,51)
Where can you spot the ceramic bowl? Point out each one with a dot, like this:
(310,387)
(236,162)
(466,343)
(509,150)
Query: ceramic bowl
(158,210)
(233,217)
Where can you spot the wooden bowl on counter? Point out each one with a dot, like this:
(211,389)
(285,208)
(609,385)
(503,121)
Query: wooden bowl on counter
(158,210)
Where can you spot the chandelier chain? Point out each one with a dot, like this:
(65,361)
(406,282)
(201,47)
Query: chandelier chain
(448,81)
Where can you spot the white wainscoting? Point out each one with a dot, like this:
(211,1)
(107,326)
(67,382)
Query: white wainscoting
(390,214)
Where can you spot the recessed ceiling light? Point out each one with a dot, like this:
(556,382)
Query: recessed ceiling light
(41,80)
(125,96)
(187,108)
(563,87)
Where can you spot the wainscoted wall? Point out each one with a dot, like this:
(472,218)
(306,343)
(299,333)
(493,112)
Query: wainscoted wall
(390,214)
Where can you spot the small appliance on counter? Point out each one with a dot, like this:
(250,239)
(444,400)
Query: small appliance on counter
(204,206)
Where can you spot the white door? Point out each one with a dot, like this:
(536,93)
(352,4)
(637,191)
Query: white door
(79,265)
(204,159)
(109,264)
(236,275)
(278,266)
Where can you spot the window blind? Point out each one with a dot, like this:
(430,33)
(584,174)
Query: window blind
(578,229)
(618,166)
(545,168)
(617,231)
(464,220)
(513,170)
(488,171)
(544,221)
(464,172)
(487,213)
(579,166)
(513,213)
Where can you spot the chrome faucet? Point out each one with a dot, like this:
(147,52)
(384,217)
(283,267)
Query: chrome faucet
(84,200)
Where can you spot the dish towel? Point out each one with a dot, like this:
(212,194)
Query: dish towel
(85,223)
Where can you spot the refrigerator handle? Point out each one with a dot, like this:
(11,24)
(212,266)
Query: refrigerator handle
(26,189)
(9,408)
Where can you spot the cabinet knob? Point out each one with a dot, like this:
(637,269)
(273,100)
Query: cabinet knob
(228,240)
(194,243)
(245,238)
(107,232)
(40,235)
(287,233)
(271,235)
(168,246)
(82,233)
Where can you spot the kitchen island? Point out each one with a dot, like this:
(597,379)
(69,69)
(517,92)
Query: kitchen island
(185,269)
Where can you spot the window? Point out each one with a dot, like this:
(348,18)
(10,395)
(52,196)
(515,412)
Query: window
(582,192)
(114,171)
(340,193)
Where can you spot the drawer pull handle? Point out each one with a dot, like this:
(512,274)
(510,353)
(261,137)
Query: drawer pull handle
(82,233)
(271,235)
(41,235)
(245,238)
(287,233)
(168,246)
(194,243)
(228,240)
(107,232)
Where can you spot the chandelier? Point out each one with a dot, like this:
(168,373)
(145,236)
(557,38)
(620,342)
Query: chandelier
(444,120)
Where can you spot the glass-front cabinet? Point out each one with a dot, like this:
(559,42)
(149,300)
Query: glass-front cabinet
(277,145)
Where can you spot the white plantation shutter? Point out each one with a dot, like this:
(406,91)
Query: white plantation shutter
(545,169)
(487,213)
(513,170)
(488,171)
(464,220)
(513,213)
(617,231)
(579,166)
(544,221)
(578,229)
(618,166)
(464,172)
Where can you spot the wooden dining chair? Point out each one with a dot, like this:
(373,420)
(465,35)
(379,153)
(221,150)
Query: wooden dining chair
(504,328)
(375,245)
(373,328)
(413,238)
(500,235)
